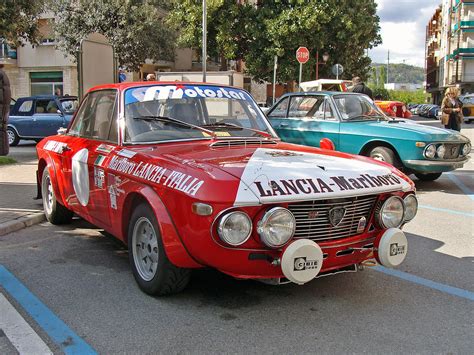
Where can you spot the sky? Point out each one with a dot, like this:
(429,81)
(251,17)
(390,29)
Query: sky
(403,27)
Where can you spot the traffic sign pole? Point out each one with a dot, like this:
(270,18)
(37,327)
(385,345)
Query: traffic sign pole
(302,56)
(301,72)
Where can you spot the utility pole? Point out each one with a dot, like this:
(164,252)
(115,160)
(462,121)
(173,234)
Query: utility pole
(204,40)
(388,62)
(275,66)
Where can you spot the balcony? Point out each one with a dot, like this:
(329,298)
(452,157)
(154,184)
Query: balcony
(7,54)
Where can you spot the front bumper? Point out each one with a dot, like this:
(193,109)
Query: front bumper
(435,166)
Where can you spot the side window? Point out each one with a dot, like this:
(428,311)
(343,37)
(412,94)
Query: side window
(305,106)
(103,118)
(96,116)
(46,106)
(26,108)
(281,109)
(324,111)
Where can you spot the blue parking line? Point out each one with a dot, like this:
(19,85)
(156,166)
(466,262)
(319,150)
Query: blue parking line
(466,214)
(459,292)
(461,185)
(68,341)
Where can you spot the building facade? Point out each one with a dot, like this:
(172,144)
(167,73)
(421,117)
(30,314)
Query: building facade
(450,48)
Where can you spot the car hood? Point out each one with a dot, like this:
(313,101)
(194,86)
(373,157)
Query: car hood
(406,129)
(284,173)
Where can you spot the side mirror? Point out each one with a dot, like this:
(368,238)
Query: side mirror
(59,112)
(62,131)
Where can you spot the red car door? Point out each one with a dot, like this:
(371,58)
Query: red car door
(91,140)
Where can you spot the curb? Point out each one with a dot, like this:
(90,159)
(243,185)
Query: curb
(22,222)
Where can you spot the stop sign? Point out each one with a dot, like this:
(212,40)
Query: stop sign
(302,55)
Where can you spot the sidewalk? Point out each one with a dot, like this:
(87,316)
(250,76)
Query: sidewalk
(18,209)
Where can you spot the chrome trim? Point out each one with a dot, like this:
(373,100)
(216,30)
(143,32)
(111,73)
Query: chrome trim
(264,221)
(463,160)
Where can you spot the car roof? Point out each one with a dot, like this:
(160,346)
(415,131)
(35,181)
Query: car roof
(49,97)
(329,93)
(127,85)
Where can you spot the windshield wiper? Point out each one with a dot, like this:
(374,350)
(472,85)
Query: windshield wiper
(176,122)
(234,126)
(364,117)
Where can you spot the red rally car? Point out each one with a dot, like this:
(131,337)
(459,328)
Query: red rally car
(193,175)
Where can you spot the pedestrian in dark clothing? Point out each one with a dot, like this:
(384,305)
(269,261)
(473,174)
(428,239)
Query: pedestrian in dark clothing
(451,109)
(5,98)
(360,87)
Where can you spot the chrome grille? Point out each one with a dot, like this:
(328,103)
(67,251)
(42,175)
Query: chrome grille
(312,217)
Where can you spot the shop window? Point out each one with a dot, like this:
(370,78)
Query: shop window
(47,83)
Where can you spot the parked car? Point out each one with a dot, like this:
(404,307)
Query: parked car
(393,108)
(36,117)
(433,111)
(192,175)
(355,125)
(468,107)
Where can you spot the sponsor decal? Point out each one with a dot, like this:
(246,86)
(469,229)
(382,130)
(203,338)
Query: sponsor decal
(396,249)
(361,225)
(301,264)
(163,92)
(217,134)
(105,148)
(99,160)
(99,177)
(114,189)
(55,146)
(336,215)
(157,174)
(126,153)
(80,176)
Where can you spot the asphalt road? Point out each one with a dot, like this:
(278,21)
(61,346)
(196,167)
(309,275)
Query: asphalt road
(83,278)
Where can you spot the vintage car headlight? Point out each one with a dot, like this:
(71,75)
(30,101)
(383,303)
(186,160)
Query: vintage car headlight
(441,151)
(430,151)
(391,213)
(234,228)
(466,149)
(411,207)
(276,227)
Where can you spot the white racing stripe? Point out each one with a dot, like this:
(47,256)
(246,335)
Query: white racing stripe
(273,176)
(18,331)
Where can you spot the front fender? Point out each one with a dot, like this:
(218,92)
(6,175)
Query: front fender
(172,241)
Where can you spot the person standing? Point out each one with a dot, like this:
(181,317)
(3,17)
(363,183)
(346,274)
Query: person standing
(360,87)
(5,98)
(451,109)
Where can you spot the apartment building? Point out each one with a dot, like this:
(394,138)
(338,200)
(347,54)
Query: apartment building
(433,56)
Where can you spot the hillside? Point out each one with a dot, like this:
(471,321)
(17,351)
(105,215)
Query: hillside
(403,73)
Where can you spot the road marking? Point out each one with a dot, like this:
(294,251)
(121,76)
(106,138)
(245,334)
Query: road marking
(68,341)
(461,185)
(425,282)
(467,214)
(19,332)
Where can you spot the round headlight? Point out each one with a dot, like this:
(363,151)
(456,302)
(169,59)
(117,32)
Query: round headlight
(276,227)
(235,228)
(391,213)
(430,151)
(411,207)
(466,149)
(441,151)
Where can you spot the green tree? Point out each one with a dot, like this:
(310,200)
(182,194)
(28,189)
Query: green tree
(19,20)
(343,28)
(135,28)
(382,76)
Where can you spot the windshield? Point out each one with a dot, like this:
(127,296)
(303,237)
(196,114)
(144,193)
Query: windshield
(69,105)
(467,100)
(154,113)
(357,107)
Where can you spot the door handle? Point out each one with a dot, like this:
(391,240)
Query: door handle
(283,124)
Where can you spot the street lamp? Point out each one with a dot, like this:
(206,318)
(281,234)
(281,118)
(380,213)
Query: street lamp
(325,59)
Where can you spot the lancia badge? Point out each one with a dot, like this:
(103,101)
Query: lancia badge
(313,214)
(336,215)
(361,225)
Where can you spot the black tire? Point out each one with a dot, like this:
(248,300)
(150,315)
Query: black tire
(468,121)
(428,177)
(386,155)
(13,138)
(143,248)
(55,212)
